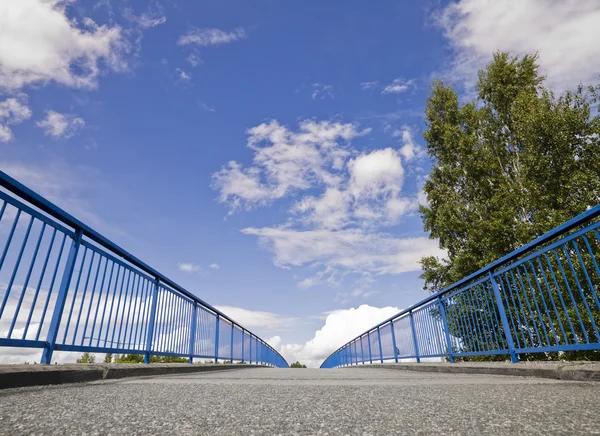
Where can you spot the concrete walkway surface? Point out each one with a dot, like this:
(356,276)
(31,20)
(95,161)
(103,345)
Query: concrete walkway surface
(349,401)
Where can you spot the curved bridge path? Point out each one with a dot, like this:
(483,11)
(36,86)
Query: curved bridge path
(348,401)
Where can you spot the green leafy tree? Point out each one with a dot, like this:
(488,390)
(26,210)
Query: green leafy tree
(507,167)
(297,365)
(139,358)
(86,358)
(108,358)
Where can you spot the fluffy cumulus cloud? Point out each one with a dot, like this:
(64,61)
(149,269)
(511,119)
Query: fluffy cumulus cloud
(40,44)
(211,37)
(13,110)
(59,125)
(340,327)
(285,162)
(564,33)
(342,200)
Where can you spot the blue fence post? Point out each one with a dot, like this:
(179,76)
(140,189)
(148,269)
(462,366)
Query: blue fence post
(355,354)
(61,298)
(193,333)
(414,335)
(445,326)
(380,348)
(369,341)
(243,343)
(362,351)
(504,318)
(150,335)
(250,347)
(394,341)
(217,340)
(231,349)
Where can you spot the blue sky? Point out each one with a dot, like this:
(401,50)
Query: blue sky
(265,155)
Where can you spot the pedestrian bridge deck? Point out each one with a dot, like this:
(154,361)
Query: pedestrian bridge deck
(351,401)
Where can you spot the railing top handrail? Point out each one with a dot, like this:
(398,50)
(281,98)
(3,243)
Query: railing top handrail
(56,212)
(555,232)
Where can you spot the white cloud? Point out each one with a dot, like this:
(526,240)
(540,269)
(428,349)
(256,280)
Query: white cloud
(211,37)
(182,76)
(375,174)
(252,319)
(152,17)
(340,327)
(285,162)
(208,108)
(321,91)
(214,266)
(193,60)
(410,149)
(336,229)
(13,110)
(564,33)
(59,125)
(188,267)
(398,86)
(355,250)
(39,44)
(368,85)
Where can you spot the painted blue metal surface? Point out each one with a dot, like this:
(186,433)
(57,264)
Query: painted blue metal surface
(541,298)
(91,295)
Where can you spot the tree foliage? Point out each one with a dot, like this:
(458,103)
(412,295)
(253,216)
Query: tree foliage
(507,167)
(297,365)
(86,358)
(139,358)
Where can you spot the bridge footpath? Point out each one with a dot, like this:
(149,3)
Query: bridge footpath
(345,401)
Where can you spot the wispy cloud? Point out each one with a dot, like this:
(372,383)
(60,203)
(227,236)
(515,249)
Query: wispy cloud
(214,266)
(320,91)
(182,76)
(398,86)
(188,267)
(211,37)
(63,126)
(368,85)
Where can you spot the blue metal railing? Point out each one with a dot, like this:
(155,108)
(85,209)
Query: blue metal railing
(541,298)
(63,286)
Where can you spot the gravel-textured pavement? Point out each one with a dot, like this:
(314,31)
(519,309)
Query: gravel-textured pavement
(305,402)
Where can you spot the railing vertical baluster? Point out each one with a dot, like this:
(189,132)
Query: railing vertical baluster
(362,351)
(61,298)
(231,350)
(380,347)
(243,343)
(394,341)
(503,317)
(250,347)
(217,340)
(445,325)
(150,334)
(193,333)
(414,335)
(369,341)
